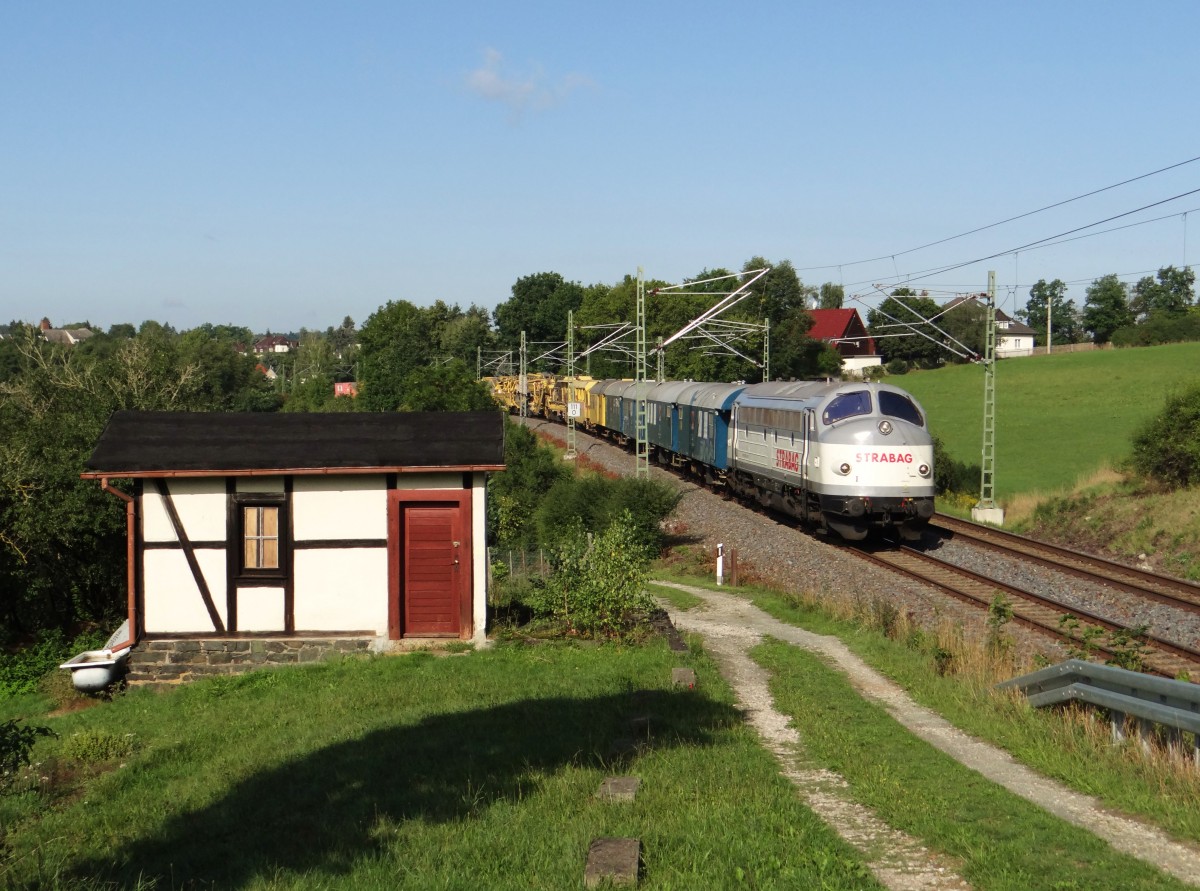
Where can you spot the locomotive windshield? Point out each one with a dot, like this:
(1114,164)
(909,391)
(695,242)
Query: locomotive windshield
(898,405)
(847,405)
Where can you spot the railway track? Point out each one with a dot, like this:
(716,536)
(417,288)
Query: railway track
(1044,614)
(1171,591)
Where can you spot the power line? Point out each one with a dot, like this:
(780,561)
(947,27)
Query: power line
(1002,222)
(941,270)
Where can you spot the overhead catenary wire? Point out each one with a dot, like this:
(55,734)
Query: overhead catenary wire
(941,270)
(893,255)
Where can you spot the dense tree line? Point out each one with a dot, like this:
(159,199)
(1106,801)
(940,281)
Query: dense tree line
(540,303)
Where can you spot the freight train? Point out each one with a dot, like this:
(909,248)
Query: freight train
(844,456)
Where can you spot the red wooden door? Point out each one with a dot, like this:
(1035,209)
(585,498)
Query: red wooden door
(432,570)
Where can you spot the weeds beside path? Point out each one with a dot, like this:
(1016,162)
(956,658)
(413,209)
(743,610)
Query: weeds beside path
(731,627)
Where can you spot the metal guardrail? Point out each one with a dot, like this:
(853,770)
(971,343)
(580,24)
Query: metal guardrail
(1151,700)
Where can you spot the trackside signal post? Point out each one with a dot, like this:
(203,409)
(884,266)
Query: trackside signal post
(987,511)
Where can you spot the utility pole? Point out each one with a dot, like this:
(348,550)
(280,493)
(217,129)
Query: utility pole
(766,350)
(641,466)
(572,407)
(1049,302)
(523,381)
(987,511)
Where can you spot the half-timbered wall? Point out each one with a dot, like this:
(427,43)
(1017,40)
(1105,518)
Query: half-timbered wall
(333,546)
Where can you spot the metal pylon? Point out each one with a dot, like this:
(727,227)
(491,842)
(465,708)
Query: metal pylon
(571,406)
(642,453)
(523,380)
(988,475)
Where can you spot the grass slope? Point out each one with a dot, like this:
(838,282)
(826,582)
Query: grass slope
(1059,418)
(475,771)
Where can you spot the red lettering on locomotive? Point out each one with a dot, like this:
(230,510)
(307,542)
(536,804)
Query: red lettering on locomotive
(787,460)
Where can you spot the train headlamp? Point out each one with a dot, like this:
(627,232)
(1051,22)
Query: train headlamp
(885,427)
(923,470)
(844,469)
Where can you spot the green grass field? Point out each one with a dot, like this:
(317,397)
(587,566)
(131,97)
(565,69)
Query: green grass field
(1059,418)
(466,772)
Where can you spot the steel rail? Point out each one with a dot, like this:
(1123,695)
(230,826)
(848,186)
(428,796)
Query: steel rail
(1165,589)
(1031,610)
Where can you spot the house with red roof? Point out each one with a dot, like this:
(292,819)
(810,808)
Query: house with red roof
(844,329)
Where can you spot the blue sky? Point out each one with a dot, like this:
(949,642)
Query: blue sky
(284,164)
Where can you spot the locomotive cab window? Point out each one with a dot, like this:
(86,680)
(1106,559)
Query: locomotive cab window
(900,406)
(847,405)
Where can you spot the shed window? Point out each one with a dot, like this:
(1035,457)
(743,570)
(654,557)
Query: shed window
(261,527)
(260,537)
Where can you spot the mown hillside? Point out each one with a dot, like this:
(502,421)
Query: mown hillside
(1063,424)
(1059,418)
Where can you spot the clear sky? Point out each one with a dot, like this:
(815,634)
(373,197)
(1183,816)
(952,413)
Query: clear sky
(284,164)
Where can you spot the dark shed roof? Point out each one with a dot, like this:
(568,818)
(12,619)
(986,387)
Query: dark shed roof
(148,443)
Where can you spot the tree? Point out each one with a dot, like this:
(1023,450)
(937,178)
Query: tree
(462,336)
(894,325)
(343,338)
(967,324)
(394,341)
(779,293)
(795,355)
(1066,325)
(538,306)
(448,386)
(1170,294)
(832,296)
(1106,308)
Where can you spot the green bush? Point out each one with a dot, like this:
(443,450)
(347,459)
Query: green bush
(1161,327)
(951,476)
(16,741)
(1167,448)
(97,746)
(23,669)
(531,470)
(897,366)
(596,502)
(599,582)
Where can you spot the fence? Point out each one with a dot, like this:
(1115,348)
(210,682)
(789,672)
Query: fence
(519,564)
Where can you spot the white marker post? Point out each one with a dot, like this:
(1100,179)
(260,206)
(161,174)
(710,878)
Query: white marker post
(720,564)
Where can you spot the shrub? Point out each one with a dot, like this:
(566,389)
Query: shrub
(950,475)
(15,743)
(1167,448)
(599,582)
(897,366)
(596,502)
(97,746)
(20,671)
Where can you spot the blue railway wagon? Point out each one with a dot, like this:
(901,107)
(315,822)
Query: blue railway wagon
(662,415)
(703,424)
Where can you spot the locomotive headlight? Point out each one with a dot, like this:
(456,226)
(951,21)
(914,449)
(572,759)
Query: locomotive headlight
(844,469)
(885,427)
(923,470)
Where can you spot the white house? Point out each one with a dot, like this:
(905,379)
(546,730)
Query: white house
(1013,338)
(304,529)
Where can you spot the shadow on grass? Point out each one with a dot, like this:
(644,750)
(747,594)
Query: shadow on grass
(315,815)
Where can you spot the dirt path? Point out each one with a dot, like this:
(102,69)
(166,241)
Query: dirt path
(731,626)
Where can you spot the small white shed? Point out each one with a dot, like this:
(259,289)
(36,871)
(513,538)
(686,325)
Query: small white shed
(293,526)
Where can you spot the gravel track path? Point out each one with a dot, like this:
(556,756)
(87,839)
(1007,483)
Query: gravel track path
(730,627)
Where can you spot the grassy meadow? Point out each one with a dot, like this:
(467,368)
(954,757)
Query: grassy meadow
(470,771)
(1060,418)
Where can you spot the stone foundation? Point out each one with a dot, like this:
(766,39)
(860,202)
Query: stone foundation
(178,661)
